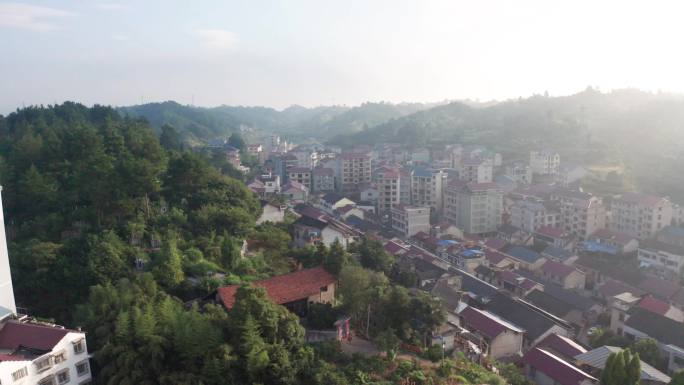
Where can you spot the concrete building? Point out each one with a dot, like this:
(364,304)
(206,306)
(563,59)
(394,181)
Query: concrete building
(661,256)
(323,179)
(519,172)
(387,180)
(410,220)
(476,170)
(500,337)
(581,213)
(427,189)
(7,304)
(640,215)
(271,212)
(355,169)
(300,175)
(530,215)
(544,162)
(476,208)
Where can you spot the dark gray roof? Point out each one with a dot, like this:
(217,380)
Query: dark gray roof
(523,253)
(310,222)
(653,244)
(535,322)
(663,329)
(474,285)
(548,303)
(557,252)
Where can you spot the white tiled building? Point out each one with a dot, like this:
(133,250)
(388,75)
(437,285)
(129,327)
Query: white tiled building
(640,215)
(409,220)
(427,188)
(545,162)
(581,213)
(530,215)
(475,208)
(32,352)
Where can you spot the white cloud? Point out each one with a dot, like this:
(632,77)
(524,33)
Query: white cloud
(216,39)
(31,17)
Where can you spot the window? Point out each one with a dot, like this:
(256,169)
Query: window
(43,364)
(49,380)
(59,357)
(82,368)
(324,289)
(63,376)
(79,346)
(19,374)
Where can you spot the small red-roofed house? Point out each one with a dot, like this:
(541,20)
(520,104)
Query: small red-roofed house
(502,338)
(566,276)
(296,291)
(561,346)
(545,368)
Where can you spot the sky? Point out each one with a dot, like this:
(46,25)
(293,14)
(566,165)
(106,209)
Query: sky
(321,52)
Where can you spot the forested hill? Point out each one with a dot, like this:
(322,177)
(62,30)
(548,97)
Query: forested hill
(196,124)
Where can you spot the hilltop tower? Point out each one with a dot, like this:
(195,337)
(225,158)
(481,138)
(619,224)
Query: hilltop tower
(6,292)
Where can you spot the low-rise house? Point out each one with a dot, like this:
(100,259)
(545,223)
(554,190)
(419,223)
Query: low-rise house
(661,257)
(513,235)
(624,243)
(271,212)
(38,353)
(323,179)
(515,283)
(558,254)
(575,309)
(667,332)
(594,361)
(333,201)
(553,236)
(295,191)
(296,291)
(501,338)
(528,258)
(561,346)
(536,322)
(545,368)
(349,210)
(566,276)
(300,175)
(410,220)
(673,235)
(499,260)
(469,259)
(310,231)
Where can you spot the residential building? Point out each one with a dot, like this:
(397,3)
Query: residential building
(295,191)
(300,175)
(311,231)
(623,243)
(569,174)
(271,212)
(528,258)
(257,151)
(594,361)
(476,208)
(501,338)
(546,368)
(323,180)
(640,215)
(7,304)
(562,347)
(388,183)
(519,172)
(356,169)
(563,275)
(36,353)
(544,162)
(673,235)
(410,220)
(296,291)
(283,162)
(476,170)
(427,187)
(661,257)
(555,236)
(333,201)
(530,215)
(581,213)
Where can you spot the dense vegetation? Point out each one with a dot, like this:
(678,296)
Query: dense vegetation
(115,230)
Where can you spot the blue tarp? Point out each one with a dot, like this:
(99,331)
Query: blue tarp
(447,242)
(596,247)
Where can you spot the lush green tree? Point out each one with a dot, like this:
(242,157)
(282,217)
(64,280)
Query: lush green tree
(649,352)
(677,378)
(169,138)
(237,141)
(169,269)
(336,258)
(388,342)
(622,368)
(374,256)
(512,374)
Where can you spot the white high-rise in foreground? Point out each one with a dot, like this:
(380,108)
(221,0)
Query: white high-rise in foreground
(7,305)
(33,352)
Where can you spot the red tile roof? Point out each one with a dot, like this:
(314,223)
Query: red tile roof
(394,248)
(654,305)
(286,288)
(561,345)
(641,199)
(15,334)
(560,371)
(550,231)
(486,323)
(494,257)
(557,269)
(8,357)
(607,234)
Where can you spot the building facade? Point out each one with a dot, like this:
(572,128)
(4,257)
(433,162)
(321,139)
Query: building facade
(355,168)
(544,162)
(476,208)
(410,220)
(640,215)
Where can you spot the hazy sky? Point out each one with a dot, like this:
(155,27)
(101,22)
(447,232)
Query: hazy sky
(323,52)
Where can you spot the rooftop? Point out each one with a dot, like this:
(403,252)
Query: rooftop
(562,345)
(549,231)
(523,253)
(639,199)
(661,328)
(597,359)
(487,323)
(17,334)
(559,370)
(557,269)
(535,323)
(284,288)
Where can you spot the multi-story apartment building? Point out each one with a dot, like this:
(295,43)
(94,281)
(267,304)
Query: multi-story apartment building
(427,189)
(476,170)
(519,172)
(32,352)
(640,215)
(388,183)
(355,169)
(529,215)
(475,208)
(323,179)
(545,162)
(661,256)
(300,175)
(405,186)
(410,220)
(581,213)
(257,150)
(282,163)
